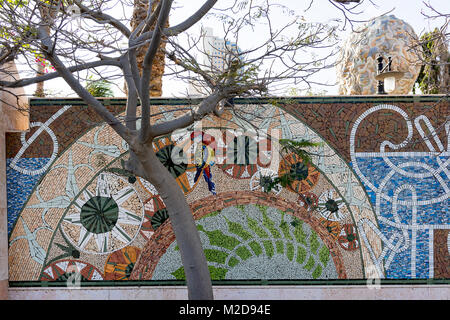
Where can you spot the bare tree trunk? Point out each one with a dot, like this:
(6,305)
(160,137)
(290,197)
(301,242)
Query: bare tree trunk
(48,15)
(39,92)
(140,13)
(187,236)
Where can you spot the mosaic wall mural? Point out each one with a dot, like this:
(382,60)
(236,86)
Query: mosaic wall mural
(374,202)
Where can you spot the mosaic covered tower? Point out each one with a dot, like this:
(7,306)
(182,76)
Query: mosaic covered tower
(385,35)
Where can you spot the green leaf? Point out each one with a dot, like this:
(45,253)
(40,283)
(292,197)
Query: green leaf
(179,274)
(217,273)
(285,229)
(290,251)
(297,147)
(317,272)
(270,225)
(324,255)
(99,88)
(280,246)
(214,255)
(314,242)
(238,230)
(268,246)
(243,253)
(218,238)
(253,225)
(301,254)
(233,262)
(255,247)
(310,264)
(300,234)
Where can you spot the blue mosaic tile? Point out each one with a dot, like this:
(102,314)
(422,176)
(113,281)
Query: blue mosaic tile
(435,213)
(19,186)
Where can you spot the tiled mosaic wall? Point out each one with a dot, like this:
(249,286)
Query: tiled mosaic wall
(374,203)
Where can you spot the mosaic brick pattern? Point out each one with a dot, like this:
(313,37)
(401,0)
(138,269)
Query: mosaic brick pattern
(374,200)
(441,253)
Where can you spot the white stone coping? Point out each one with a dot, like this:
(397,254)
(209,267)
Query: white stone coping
(335,292)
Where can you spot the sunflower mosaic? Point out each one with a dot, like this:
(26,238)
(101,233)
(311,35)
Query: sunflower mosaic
(262,181)
(331,206)
(333,227)
(305,176)
(348,238)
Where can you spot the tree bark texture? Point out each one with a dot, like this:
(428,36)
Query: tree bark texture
(183,224)
(39,92)
(140,13)
(47,15)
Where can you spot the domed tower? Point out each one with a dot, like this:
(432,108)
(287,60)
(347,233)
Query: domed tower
(357,64)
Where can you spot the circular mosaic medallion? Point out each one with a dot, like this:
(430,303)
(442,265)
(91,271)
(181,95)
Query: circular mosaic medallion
(64,270)
(308,200)
(165,156)
(159,218)
(99,214)
(173,158)
(333,227)
(105,217)
(305,177)
(331,206)
(348,240)
(120,264)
